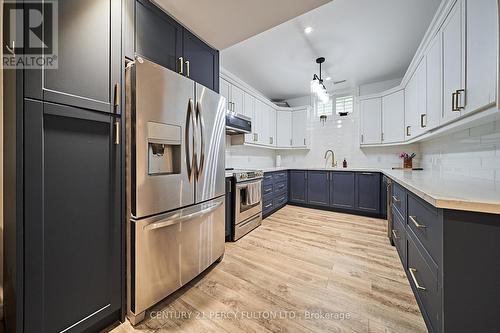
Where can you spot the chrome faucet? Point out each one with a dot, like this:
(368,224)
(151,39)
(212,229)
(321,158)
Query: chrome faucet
(334,164)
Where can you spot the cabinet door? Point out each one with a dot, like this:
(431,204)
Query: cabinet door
(225,91)
(157,36)
(393,117)
(259,122)
(271,116)
(299,128)
(284,129)
(482,49)
(238,100)
(201,61)
(342,190)
(318,191)
(453,34)
(72,219)
(371,121)
(88,57)
(248,111)
(411,107)
(434,62)
(368,191)
(298,186)
(419,121)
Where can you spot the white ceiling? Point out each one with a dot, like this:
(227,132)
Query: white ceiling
(363,41)
(223,23)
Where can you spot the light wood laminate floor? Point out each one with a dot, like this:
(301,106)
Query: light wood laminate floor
(303,270)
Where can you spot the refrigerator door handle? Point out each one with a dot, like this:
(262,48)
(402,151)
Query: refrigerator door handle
(178,218)
(190,156)
(199,120)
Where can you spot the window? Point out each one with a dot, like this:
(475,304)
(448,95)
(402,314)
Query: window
(344,105)
(325,108)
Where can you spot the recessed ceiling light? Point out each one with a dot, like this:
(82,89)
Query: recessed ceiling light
(328,78)
(308,30)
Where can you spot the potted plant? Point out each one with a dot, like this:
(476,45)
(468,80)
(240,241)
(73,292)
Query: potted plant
(407,160)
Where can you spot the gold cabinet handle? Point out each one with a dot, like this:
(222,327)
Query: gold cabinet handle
(394,234)
(414,220)
(453,108)
(414,278)
(458,94)
(395,199)
(188,72)
(117,132)
(181,63)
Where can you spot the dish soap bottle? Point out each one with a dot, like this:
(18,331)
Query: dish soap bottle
(344,164)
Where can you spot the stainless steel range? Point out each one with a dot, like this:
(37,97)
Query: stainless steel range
(248,201)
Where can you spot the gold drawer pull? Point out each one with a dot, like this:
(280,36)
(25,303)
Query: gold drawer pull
(414,278)
(418,225)
(394,234)
(395,199)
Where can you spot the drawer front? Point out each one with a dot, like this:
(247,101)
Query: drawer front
(267,206)
(280,176)
(268,178)
(280,200)
(399,236)
(424,221)
(280,187)
(399,199)
(267,191)
(423,274)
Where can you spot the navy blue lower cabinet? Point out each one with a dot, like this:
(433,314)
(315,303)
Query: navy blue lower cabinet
(274,192)
(342,189)
(318,188)
(368,192)
(298,187)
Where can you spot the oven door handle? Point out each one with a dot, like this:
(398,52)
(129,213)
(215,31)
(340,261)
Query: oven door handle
(243,185)
(177,218)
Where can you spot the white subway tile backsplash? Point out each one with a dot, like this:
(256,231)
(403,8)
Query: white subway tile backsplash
(473,152)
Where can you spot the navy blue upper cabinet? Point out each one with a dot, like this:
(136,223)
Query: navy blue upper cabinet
(368,191)
(342,189)
(298,187)
(164,41)
(318,188)
(88,57)
(201,62)
(157,36)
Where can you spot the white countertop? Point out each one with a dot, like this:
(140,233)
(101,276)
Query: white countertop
(440,190)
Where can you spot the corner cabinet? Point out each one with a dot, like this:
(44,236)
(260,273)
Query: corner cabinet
(163,40)
(368,185)
(72,235)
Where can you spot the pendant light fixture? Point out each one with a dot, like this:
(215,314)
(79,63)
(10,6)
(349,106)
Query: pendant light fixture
(317,87)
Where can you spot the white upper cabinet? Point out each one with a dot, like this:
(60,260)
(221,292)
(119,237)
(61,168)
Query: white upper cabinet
(248,111)
(393,117)
(482,46)
(225,91)
(284,129)
(271,125)
(420,121)
(300,136)
(453,34)
(434,62)
(238,99)
(411,107)
(371,120)
(259,123)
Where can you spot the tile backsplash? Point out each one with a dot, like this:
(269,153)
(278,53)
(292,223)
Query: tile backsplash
(245,157)
(474,152)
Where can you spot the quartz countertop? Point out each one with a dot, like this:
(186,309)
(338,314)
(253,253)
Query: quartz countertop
(440,190)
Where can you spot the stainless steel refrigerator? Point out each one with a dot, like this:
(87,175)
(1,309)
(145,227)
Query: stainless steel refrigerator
(175,182)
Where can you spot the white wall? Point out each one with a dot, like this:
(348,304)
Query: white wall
(474,152)
(246,157)
(341,134)
(377,87)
